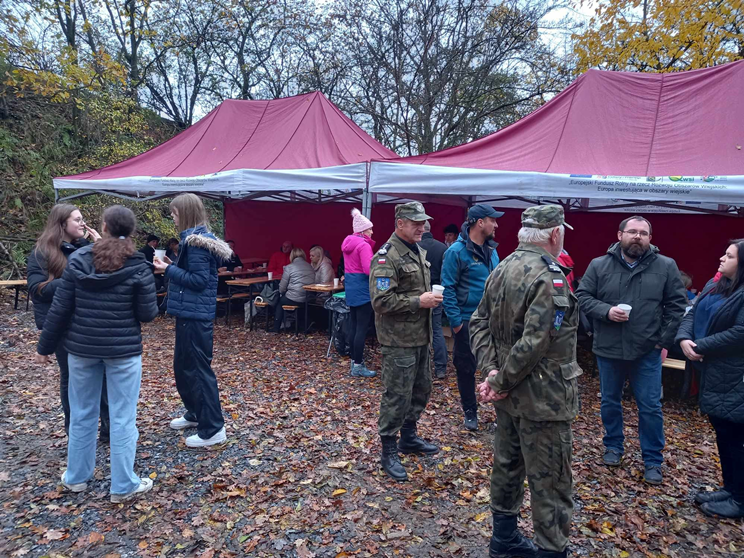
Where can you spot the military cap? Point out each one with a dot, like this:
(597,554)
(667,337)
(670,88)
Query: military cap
(413,211)
(544,217)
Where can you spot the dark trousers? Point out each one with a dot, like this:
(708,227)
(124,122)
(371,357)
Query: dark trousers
(438,342)
(64,382)
(279,312)
(406,377)
(465,365)
(730,440)
(195,379)
(360,317)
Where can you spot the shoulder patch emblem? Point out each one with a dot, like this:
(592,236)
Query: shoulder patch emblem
(383,249)
(551,265)
(558,319)
(381,261)
(383,283)
(558,283)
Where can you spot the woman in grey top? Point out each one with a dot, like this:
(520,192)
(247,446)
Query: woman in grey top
(296,275)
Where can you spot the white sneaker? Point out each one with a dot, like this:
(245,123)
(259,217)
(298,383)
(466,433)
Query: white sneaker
(196,442)
(73,487)
(181,424)
(145,486)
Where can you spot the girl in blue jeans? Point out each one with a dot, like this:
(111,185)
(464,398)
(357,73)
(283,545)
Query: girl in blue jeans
(107,290)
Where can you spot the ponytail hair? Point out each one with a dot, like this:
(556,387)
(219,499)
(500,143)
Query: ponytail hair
(110,253)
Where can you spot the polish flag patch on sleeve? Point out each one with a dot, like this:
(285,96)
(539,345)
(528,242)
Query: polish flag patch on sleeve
(558,283)
(381,261)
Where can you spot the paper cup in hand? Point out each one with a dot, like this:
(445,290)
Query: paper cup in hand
(625,308)
(437,289)
(160,254)
(335,282)
(271,275)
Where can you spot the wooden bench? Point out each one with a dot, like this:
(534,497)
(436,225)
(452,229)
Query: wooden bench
(16,284)
(292,308)
(265,305)
(674,363)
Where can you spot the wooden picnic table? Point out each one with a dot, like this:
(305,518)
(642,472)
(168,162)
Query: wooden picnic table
(322,288)
(16,284)
(245,283)
(254,271)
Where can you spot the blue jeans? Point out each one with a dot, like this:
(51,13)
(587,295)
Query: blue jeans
(123,377)
(645,381)
(440,346)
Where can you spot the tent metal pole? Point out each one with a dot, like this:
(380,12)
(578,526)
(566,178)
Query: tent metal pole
(366,196)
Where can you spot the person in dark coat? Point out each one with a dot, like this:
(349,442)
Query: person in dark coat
(712,337)
(149,249)
(234,260)
(434,255)
(633,277)
(192,299)
(171,251)
(65,232)
(107,290)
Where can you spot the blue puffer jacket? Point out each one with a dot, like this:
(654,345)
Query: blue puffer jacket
(464,275)
(192,292)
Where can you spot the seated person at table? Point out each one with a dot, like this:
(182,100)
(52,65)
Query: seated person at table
(234,260)
(280,259)
(296,275)
(687,281)
(149,249)
(171,252)
(322,265)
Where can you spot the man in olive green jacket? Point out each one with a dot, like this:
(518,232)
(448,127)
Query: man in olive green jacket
(400,289)
(523,335)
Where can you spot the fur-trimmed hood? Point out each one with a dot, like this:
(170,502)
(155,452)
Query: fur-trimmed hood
(200,237)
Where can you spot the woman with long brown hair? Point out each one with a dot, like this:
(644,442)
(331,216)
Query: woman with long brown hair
(64,233)
(106,291)
(192,299)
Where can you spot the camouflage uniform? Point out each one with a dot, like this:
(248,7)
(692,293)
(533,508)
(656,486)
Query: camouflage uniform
(525,327)
(398,277)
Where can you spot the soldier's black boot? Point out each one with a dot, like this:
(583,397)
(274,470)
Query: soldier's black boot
(390,460)
(411,443)
(551,554)
(507,541)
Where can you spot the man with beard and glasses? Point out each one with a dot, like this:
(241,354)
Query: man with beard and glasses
(628,339)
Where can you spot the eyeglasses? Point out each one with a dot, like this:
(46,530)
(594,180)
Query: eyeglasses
(79,220)
(642,234)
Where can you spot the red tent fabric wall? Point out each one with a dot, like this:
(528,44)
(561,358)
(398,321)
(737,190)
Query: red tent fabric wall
(694,241)
(259,227)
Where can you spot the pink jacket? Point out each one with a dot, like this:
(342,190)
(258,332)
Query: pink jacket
(358,252)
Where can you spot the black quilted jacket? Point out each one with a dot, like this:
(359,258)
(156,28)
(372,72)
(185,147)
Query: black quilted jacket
(100,312)
(722,368)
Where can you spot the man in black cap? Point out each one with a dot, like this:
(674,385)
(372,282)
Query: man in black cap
(149,249)
(467,265)
(451,232)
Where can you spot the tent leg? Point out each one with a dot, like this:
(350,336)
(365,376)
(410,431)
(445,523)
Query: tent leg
(366,203)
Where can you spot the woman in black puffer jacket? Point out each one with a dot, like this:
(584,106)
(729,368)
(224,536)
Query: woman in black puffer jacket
(107,289)
(712,336)
(64,233)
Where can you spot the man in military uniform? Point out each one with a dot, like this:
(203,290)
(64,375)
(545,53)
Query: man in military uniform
(400,289)
(524,337)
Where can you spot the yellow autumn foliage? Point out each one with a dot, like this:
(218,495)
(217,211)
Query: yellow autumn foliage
(660,35)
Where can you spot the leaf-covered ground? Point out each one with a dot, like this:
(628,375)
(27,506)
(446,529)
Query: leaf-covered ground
(299,475)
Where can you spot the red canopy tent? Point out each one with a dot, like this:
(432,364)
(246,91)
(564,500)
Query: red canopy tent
(250,149)
(663,138)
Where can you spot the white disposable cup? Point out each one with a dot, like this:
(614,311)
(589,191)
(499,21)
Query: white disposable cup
(335,282)
(625,308)
(160,254)
(271,275)
(437,289)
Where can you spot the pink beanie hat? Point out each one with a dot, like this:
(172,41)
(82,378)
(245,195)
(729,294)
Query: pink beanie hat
(361,223)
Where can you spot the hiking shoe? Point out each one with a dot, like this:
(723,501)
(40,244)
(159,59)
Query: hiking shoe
(440,374)
(196,442)
(728,508)
(715,496)
(612,458)
(653,474)
(145,486)
(471,420)
(181,423)
(370,373)
(361,371)
(73,487)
